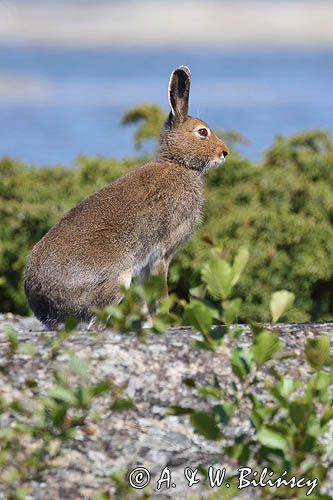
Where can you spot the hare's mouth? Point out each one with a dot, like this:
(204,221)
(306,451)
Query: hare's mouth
(213,164)
(216,163)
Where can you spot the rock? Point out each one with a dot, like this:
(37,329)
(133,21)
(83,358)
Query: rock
(151,374)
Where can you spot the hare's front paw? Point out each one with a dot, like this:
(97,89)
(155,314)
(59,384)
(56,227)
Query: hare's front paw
(95,325)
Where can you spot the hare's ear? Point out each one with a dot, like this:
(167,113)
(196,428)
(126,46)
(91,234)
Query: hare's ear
(179,92)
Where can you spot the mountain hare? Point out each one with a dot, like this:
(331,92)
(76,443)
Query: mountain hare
(132,227)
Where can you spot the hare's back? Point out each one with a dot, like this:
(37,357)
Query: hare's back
(140,208)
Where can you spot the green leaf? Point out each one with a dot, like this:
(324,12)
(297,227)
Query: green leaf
(265,344)
(190,382)
(79,365)
(239,265)
(299,412)
(213,392)
(241,362)
(307,443)
(58,415)
(236,332)
(239,450)
(205,425)
(217,274)
(122,404)
(27,348)
(199,316)
(317,351)
(281,301)
(320,472)
(83,396)
(324,380)
(19,406)
(6,433)
(204,345)
(284,388)
(153,288)
(231,310)
(223,412)
(327,416)
(272,439)
(114,311)
(256,327)
(11,475)
(12,337)
(256,418)
(100,495)
(218,333)
(71,325)
(61,394)
(160,325)
(100,388)
(231,492)
(179,410)
(287,386)
(21,493)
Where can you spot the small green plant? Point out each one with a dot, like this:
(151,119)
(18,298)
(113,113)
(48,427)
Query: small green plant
(142,309)
(212,309)
(125,491)
(288,422)
(14,345)
(34,431)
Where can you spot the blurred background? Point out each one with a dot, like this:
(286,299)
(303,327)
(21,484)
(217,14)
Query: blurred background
(70,69)
(263,70)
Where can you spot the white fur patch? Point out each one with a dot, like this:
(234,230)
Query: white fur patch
(213,164)
(187,70)
(145,266)
(125,279)
(169,99)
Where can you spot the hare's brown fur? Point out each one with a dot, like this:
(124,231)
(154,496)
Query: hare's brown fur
(131,227)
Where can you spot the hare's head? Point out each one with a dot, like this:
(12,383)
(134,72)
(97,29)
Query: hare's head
(186,140)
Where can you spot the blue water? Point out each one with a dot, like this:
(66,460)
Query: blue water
(85,94)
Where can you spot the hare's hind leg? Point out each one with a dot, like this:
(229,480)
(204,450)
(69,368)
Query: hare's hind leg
(111,294)
(161,269)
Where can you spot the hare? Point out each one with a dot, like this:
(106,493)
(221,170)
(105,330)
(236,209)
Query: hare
(132,227)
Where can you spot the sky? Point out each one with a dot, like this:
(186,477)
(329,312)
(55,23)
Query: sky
(164,24)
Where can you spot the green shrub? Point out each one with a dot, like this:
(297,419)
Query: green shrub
(282,210)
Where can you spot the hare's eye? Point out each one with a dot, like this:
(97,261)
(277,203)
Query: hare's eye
(203,132)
